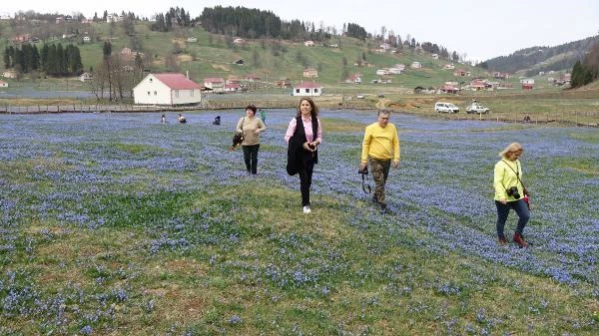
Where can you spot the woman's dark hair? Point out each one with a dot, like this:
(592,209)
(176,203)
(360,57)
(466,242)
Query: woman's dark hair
(313,113)
(252,108)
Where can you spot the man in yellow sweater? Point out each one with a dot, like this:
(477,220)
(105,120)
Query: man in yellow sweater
(380,147)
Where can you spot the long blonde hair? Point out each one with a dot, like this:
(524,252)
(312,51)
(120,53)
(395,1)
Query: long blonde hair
(513,147)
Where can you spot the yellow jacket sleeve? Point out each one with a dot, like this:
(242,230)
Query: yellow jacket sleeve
(396,147)
(500,192)
(366,144)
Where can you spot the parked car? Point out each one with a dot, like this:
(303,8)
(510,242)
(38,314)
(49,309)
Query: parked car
(446,108)
(477,108)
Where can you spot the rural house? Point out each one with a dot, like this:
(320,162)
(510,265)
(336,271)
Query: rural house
(416,65)
(354,79)
(3,84)
(215,84)
(307,89)
(251,78)
(167,89)
(192,39)
(448,67)
(86,76)
(309,43)
(310,73)
(527,83)
(239,41)
(10,74)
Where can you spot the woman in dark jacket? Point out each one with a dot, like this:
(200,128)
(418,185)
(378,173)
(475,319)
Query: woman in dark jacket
(304,135)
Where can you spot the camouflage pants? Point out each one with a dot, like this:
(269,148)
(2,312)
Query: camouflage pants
(380,171)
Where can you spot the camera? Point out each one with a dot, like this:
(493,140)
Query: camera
(513,191)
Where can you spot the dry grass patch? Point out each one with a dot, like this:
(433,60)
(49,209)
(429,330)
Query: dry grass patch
(184,58)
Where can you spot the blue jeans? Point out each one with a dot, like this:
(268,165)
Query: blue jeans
(504,209)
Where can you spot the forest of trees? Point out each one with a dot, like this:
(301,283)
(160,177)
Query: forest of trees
(586,71)
(164,22)
(54,60)
(356,31)
(529,57)
(255,23)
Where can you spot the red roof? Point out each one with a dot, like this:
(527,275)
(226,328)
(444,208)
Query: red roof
(177,81)
(308,85)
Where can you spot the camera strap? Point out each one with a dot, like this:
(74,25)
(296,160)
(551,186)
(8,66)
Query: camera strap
(517,172)
(365,186)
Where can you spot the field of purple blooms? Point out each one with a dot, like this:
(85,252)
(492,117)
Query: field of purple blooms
(115,224)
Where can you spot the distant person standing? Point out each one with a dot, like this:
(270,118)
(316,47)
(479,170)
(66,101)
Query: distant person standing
(304,135)
(216,121)
(263,116)
(163,119)
(381,148)
(250,127)
(181,119)
(510,192)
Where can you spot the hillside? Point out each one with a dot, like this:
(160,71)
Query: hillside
(271,60)
(536,59)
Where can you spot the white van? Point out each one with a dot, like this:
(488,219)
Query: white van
(446,108)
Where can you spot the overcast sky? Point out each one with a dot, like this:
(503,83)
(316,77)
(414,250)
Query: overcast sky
(480,29)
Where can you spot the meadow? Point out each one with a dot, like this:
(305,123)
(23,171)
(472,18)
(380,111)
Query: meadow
(113,224)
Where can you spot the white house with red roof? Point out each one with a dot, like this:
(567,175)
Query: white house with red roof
(307,89)
(215,84)
(167,89)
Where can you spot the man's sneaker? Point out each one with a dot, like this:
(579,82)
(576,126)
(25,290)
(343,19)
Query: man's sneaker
(518,239)
(502,241)
(307,209)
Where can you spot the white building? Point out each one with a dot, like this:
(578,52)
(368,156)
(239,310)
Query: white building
(307,89)
(86,76)
(416,65)
(87,39)
(3,84)
(309,43)
(167,89)
(112,18)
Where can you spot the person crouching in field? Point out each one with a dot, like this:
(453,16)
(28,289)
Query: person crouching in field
(304,135)
(250,127)
(380,147)
(510,192)
(181,119)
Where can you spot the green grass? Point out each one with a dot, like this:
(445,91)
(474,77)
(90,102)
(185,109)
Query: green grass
(400,295)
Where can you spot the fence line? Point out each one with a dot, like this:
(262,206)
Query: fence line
(566,118)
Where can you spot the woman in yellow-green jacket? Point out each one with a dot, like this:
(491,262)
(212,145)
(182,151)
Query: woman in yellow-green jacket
(509,193)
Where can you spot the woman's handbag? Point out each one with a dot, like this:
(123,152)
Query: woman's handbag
(237,138)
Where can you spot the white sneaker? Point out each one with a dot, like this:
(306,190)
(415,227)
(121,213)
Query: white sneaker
(307,209)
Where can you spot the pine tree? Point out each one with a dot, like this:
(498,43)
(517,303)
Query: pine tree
(51,64)
(60,60)
(6,59)
(107,49)
(44,58)
(35,58)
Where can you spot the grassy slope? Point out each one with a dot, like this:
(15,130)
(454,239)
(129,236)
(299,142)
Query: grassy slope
(213,58)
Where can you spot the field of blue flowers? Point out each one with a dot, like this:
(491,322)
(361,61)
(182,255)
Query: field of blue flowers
(115,224)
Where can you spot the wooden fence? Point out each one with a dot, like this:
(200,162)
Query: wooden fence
(582,119)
